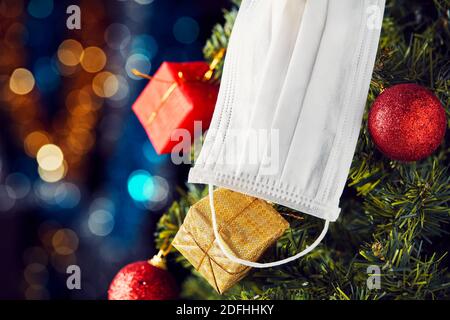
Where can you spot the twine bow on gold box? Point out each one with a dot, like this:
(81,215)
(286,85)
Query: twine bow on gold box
(247,225)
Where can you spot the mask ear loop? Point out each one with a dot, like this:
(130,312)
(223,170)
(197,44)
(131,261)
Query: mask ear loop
(256,264)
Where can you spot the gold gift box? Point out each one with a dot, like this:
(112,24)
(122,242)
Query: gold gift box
(248,227)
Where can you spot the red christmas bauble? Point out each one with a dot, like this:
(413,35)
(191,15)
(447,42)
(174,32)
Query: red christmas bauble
(143,281)
(407,122)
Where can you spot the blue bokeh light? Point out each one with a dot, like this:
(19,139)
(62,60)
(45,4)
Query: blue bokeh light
(40,8)
(140,186)
(186,30)
(140,62)
(67,195)
(101,223)
(144,44)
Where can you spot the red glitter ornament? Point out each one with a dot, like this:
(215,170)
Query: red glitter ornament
(407,122)
(144,280)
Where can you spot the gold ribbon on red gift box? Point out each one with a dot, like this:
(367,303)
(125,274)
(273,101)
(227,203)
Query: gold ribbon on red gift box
(174,84)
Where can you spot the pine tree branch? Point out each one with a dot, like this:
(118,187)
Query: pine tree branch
(394,215)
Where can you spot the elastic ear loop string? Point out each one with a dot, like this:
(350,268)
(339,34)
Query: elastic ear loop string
(256,264)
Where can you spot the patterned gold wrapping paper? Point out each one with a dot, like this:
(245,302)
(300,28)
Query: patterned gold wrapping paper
(248,227)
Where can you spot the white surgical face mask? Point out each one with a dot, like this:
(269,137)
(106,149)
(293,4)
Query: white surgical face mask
(290,106)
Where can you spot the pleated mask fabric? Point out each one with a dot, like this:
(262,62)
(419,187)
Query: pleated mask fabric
(291,101)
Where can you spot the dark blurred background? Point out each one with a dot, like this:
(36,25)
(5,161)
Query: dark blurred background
(80,182)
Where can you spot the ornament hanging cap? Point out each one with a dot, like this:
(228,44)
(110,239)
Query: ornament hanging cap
(159,260)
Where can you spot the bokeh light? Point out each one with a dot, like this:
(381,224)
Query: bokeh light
(140,62)
(101,222)
(34,141)
(18,185)
(46,192)
(93,59)
(141,186)
(70,52)
(52,176)
(123,90)
(80,102)
(161,194)
(67,195)
(11,8)
(40,8)
(161,189)
(144,44)
(21,81)
(186,30)
(117,36)
(105,84)
(36,273)
(16,36)
(81,139)
(50,157)
(144,2)
(65,241)
(103,203)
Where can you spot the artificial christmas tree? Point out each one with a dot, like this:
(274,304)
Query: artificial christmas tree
(395,216)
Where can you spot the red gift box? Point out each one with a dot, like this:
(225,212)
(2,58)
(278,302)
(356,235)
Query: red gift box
(177,95)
